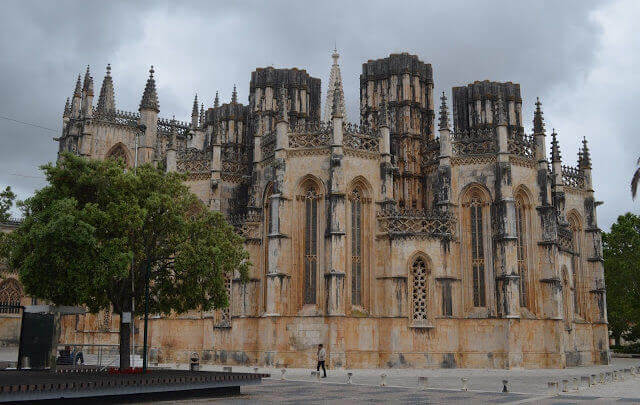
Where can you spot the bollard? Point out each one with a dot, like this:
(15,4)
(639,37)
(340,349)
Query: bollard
(608,376)
(505,385)
(284,370)
(423,382)
(552,387)
(383,380)
(575,383)
(255,370)
(227,369)
(349,375)
(465,383)
(593,379)
(585,381)
(565,385)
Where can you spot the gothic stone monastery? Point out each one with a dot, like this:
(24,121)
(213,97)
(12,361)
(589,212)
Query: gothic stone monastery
(392,243)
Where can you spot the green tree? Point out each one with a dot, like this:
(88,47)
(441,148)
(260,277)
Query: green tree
(621,250)
(6,202)
(96,226)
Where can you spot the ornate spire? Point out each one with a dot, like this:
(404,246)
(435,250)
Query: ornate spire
(282,104)
(194,110)
(216,102)
(538,120)
(335,82)
(502,114)
(586,156)
(106,100)
(78,91)
(555,147)
(444,113)
(150,96)
(202,115)
(67,109)
(234,95)
(337,108)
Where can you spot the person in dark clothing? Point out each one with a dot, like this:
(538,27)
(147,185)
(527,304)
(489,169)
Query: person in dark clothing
(322,354)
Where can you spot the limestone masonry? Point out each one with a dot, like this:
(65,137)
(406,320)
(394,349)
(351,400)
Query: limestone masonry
(393,242)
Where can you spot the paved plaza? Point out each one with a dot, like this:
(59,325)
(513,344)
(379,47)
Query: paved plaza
(443,386)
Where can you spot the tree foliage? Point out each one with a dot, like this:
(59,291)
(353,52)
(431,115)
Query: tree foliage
(6,202)
(621,250)
(96,224)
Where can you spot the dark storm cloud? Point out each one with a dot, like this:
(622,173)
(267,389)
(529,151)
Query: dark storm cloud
(209,46)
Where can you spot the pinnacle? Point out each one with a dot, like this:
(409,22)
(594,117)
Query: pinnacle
(216,102)
(335,82)
(538,120)
(78,90)
(194,110)
(234,95)
(444,113)
(106,100)
(586,155)
(555,147)
(282,103)
(336,111)
(67,108)
(150,96)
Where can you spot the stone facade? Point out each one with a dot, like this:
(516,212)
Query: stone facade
(391,243)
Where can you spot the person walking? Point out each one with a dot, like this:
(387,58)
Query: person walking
(322,354)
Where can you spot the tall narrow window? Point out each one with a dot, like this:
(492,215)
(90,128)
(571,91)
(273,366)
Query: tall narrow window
(266,213)
(521,250)
(356,247)
(477,250)
(310,200)
(447,301)
(576,229)
(419,298)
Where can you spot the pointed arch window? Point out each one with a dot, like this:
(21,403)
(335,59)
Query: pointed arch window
(521,249)
(10,296)
(310,202)
(356,246)
(119,151)
(419,296)
(477,249)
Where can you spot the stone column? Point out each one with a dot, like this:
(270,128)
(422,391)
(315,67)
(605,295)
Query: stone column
(335,272)
(278,280)
(505,255)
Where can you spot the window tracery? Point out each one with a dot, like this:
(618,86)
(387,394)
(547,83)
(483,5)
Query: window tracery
(356,246)
(419,273)
(521,249)
(310,202)
(10,295)
(477,249)
(119,152)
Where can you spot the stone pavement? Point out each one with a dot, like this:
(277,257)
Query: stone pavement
(310,393)
(525,381)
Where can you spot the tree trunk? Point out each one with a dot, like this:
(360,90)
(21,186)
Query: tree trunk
(125,342)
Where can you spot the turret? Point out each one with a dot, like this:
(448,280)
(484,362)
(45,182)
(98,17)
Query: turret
(106,100)
(149,109)
(76,103)
(194,113)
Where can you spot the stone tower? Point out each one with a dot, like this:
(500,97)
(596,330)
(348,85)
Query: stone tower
(405,84)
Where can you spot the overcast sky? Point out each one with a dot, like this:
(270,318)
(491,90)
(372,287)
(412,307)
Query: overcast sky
(577,56)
